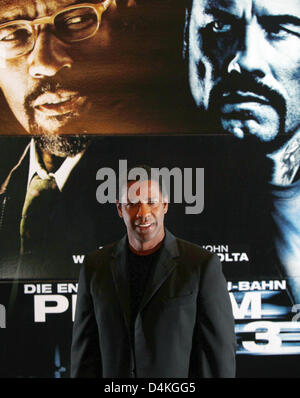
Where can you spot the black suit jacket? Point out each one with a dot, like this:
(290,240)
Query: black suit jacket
(76,225)
(184,327)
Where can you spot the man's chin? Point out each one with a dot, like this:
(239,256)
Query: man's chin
(68,124)
(61,145)
(264,131)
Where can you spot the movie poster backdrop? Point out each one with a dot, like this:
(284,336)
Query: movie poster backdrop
(142,117)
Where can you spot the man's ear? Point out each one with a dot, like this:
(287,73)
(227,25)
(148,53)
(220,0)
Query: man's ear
(166,204)
(119,208)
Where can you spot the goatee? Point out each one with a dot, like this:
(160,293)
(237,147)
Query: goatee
(62,146)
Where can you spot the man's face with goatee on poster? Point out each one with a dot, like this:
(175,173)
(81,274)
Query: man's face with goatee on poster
(54,70)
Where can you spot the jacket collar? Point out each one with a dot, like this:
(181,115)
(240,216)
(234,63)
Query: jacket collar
(61,175)
(166,263)
(19,167)
(169,244)
(165,266)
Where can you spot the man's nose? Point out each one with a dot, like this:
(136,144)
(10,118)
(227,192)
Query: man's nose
(251,53)
(143,211)
(48,57)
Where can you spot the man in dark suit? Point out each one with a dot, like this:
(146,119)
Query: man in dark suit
(152,305)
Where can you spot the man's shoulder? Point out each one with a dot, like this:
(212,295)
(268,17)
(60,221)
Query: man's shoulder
(196,262)
(194,258)
(101,259)
(15,168)
(103,253)
(191,249)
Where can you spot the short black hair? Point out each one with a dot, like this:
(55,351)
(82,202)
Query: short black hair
(151,176)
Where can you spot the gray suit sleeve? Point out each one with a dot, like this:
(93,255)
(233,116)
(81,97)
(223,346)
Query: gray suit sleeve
(85,350)
(215,324)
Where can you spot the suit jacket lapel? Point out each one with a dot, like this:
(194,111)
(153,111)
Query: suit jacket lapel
(16,180)
(121,278)
(165,265)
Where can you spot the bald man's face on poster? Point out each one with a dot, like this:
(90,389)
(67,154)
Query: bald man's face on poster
(244,65)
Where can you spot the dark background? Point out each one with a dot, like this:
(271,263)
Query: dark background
(233,215)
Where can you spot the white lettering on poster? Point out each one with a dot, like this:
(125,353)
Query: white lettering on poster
(272,338)
(38,288)
(52,298)
(46,288)
(273,285)
(78,258)
(250,306)
(226,256)
(52,304)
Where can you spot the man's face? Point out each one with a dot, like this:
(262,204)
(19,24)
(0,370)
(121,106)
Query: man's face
(143,209)
(58,87)
(244,64)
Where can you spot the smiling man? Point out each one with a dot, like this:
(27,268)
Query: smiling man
(151,305)
(244,75)
(144,223)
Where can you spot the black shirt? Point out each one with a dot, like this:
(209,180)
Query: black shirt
(141,270)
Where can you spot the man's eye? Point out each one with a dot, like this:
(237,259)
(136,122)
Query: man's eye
(79,21)
(131,204)
(220,27)
(8,37)
(275,31)
(20,35)
(75,20)
(281,32)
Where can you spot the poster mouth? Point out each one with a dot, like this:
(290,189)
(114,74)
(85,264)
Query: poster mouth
(244,97)
(58,104)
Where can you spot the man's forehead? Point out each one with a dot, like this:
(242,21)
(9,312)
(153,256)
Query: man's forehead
(142,190)
(251,7)
(30,9)
(147,186)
